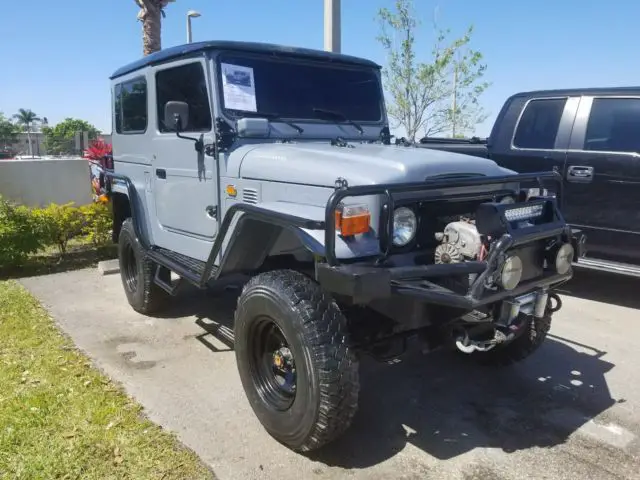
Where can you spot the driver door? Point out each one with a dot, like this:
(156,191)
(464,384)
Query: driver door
(185,181)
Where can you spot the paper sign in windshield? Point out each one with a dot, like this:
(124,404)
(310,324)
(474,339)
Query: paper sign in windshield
(238,87)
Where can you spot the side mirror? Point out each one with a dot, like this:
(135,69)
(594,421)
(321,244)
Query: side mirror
(176,115)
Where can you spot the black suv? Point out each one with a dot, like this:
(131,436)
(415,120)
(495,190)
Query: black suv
(592,137)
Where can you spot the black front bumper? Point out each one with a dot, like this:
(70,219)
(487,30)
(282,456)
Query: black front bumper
(364,283)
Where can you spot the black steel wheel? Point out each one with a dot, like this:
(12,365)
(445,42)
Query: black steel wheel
(272,364)
(137,273)
(130,271)
(297,368)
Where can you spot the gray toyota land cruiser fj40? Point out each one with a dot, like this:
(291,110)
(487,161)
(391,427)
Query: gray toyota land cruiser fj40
(276,163)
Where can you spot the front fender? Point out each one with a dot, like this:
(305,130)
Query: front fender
(313,239)
(254,229)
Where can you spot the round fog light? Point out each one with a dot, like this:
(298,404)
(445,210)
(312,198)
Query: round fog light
(511,272)
(564,258)
(508,200)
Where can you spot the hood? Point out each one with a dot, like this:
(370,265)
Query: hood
(365,164)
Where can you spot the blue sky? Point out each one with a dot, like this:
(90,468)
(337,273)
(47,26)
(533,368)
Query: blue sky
(57,56)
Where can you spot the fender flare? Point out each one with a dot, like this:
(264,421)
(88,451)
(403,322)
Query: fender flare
(137,213)
(248,232)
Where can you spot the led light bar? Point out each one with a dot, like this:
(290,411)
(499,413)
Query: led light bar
(498,218)
(525,212)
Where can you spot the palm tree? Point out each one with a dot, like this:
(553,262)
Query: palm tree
(26,119)
(151,14)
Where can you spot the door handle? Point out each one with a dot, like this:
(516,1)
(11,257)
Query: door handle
(579,173)
(211,211)
(161,173)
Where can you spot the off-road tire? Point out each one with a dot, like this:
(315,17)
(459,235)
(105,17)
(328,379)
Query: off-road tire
(327,383)
(137,273)
(534,334)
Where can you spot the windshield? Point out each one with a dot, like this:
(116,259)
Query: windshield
(292,88)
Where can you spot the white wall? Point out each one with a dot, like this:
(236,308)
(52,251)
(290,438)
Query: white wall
(39,182)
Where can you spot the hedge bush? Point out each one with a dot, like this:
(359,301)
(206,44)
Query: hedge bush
(59,224)
(98,222)
(20,234)
(25,231)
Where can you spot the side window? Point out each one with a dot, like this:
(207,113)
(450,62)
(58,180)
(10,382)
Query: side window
(185,83)
(614,125)
(539,123)
(130,104)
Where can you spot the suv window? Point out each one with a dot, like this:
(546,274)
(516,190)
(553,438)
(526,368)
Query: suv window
(184,84)
(539,123)
(614,125)
(130,105)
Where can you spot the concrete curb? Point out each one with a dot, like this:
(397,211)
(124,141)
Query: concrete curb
(108,267)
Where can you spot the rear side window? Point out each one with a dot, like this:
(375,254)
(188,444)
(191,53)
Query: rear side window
(614,125)
(539,123)
(185,83)
(130,105)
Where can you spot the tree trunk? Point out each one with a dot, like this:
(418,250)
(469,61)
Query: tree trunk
(29,140)
(151,28)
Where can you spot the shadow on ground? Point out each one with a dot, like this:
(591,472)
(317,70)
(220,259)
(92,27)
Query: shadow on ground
(213,311)
(445,405)
(604,287)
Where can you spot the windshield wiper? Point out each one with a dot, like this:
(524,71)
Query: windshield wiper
(272,116)
(337,116)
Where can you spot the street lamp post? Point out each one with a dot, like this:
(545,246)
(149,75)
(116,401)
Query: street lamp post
(332,26)
(190,14)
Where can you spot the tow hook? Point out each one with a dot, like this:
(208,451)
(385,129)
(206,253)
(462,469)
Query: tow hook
(551,308)
(467,345)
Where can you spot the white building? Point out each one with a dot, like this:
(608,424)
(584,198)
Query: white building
(21,144)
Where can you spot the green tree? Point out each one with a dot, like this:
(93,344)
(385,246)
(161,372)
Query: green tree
(8,131)
(151,14)
(59,139)
(433,96)
(26,119)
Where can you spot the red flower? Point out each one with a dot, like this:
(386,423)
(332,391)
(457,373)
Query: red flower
(97,151)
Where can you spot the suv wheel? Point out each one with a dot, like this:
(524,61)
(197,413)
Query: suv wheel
(533,336)
(296,367)
(137,273)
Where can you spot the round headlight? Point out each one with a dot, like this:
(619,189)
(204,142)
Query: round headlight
(405,225)
(508,199)
(564,258)
(511,272)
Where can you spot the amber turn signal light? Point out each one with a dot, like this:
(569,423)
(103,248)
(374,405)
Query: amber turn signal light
(352,220)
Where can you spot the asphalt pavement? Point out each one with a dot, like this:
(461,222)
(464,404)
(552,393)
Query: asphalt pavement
(572,411)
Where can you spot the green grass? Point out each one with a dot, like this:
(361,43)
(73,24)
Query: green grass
(61,418)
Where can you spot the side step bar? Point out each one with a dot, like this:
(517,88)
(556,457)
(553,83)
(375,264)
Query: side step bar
(170,287)
(607,266)
(187,268)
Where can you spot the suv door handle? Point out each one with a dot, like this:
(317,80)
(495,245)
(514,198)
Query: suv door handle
(579,173)
(211,211)
(161,173)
